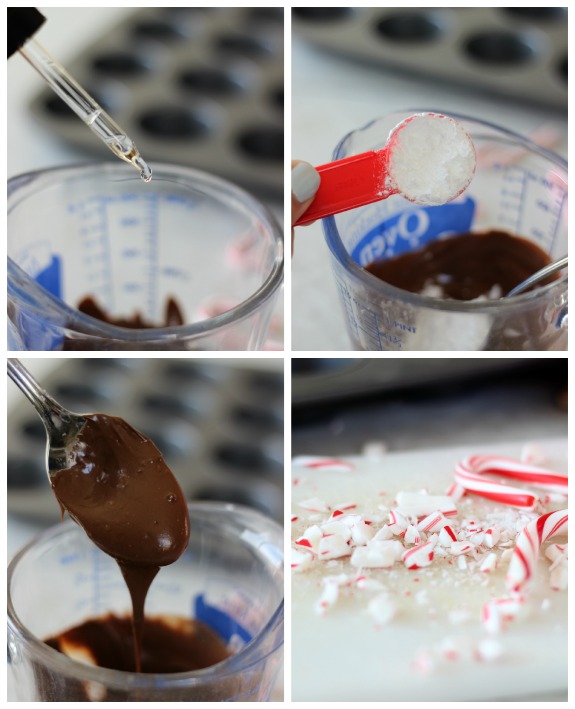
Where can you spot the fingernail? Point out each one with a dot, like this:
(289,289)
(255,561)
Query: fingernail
(305,181)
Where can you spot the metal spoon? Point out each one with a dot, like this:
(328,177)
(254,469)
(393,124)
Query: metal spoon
(540,275)
(62,426)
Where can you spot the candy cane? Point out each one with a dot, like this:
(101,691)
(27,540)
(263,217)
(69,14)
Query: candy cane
(529,541)
(317,463)
(469,472)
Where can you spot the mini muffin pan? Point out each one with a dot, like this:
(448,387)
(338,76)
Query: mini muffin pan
(517,52)
(202,87)
(219,427)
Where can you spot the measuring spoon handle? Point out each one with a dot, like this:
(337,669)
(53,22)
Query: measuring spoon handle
(349,183)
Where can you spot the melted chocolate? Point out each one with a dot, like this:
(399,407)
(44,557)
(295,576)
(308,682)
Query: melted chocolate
(173,318)
(169,644)
(465,267)
(121,492)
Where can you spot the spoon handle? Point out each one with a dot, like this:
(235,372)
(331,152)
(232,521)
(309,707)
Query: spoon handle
(53,415)
(538,276)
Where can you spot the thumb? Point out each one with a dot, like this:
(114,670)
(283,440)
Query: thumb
(305,181)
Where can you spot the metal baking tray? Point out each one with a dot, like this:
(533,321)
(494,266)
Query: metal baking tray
(517,53)
(219,426)
(202,87)
(322,380)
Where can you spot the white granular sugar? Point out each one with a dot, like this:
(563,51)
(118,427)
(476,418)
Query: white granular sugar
(432,159)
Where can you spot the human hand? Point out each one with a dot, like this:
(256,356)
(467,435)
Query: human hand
(305,181)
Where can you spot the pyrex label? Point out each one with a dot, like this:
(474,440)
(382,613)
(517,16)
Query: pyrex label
(412,229)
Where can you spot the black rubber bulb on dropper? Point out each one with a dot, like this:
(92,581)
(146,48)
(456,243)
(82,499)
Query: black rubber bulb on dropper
(23,22)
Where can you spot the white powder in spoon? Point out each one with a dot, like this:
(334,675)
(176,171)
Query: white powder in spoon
(431,159)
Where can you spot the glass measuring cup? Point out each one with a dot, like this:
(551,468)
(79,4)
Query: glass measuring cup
(99,231)
(231,578)
(518,187)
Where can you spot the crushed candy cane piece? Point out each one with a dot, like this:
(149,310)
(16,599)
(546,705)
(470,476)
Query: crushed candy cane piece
(338,528)
(314,505)
(343,507)
(310,538)
(377,555)
(383,534)
(413,503)
(491,537)
(383,608)
(300,560)
(330,592)
(495,614)
(361,533)
(332,547)
(412,535)
(397,522)
(367,584)
(447,536)
(348,519)
(458,548)
(432,523)
(489,563)
(419,556)
(488,650)
(477,538)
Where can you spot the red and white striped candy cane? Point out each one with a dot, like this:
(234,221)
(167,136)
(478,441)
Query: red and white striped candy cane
(318,463)
(529,541)
(470,471)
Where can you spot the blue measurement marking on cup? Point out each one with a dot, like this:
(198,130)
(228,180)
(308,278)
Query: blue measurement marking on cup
(375,327)
(121,232)
(512,197)
(96,256)
(96,576)
(531,204)
(153,256)
(559,204)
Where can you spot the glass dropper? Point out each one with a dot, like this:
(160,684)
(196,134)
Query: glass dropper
(85,106)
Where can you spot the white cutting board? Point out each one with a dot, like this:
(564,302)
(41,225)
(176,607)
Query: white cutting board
(345,656)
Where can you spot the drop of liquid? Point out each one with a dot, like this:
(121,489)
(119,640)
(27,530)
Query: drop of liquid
(145,169)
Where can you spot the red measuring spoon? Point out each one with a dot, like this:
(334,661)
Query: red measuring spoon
(365,178)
